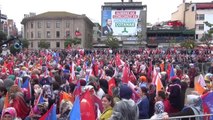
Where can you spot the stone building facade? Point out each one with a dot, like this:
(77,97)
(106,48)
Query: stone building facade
(55,27)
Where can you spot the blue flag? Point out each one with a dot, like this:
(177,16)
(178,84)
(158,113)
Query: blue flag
(75,113)
(207,101)
(25,84)
(50,114)
(41,100)
(172,72)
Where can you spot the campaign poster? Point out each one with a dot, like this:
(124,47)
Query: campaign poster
(120,22)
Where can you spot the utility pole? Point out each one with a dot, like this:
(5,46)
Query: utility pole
(0,21)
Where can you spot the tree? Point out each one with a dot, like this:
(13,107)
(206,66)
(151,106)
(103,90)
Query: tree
(140,38)
(76,41)
(112,42)
(25,43)
(207,36)
(70,42)
(43,44)
(189,44)
(3,37)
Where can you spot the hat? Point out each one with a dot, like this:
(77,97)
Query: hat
(78,69)
(191,65)
(12,77)
(11,111)
(125,92)
(143,79)
(8,83)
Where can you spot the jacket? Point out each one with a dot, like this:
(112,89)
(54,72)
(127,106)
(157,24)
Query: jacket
(143,106)
(125,110)
(106,114)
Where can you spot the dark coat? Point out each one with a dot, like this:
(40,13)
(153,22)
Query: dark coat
(143,106)
(106,30)
(175,94)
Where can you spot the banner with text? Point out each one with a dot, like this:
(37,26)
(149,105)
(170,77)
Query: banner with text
(120,22)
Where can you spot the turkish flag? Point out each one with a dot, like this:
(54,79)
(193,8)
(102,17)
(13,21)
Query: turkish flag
(87,106)
(117,60)
(111,85)
(125,77)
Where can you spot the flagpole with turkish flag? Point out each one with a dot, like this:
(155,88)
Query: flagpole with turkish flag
(87,106)
(126,71)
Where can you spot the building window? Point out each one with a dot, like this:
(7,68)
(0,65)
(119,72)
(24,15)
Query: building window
(200,17)
(39,24)
(193,8)
(31,24)
(39,34)
(196,36)
(57,24)
(48,24)
(67,24)
(58,34)
(31,44)
(48,44)
(48,34)
(31,34)
(200,27)
(58,44)
(27,35)
(67,33)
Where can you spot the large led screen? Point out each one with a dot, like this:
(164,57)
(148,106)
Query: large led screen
(120,22)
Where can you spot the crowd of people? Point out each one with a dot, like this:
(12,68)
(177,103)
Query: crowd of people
(111,84)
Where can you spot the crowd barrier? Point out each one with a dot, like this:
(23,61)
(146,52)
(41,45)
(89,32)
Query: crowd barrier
(189,117)
(203,67)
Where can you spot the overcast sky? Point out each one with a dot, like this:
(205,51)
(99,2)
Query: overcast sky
(157,10)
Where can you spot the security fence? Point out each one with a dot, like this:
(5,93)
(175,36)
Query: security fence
(203,67)
(189,117)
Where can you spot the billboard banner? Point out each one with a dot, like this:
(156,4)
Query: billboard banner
(120,22)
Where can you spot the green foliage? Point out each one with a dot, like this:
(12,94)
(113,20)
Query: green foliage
(140,37)
(207,37)
(112,42)
(76,41)
(189,44)
(208,24)
(70,41)
(3,36)
(43,44)
(25,43)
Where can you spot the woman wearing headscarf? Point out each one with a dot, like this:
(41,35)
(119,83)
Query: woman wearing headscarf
(126,108)
(64,109)
(3,92)
(17,101)
(174,90)
(193,107)
(9,114)
(159,111)
(192,73)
